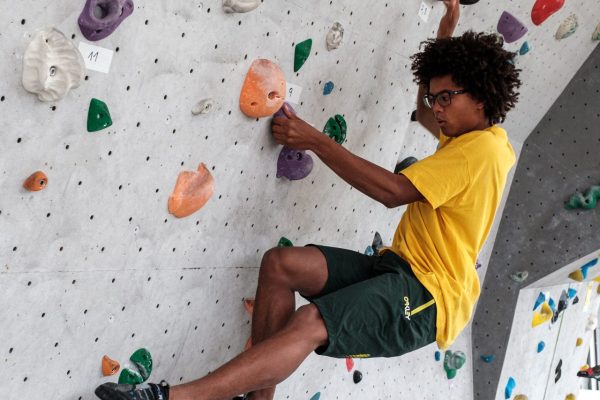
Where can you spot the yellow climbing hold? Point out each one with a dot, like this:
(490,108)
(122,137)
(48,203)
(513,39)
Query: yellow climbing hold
(521,397)
(576,275)
(584,368)
(544,315)
(579,342)
(570,396)
(598,289)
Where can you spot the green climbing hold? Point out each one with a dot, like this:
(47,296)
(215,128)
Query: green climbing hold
(143,361)
(98,116)
(453,362)
(285,242)
(587,201)
(336,128)
(301,53)
(519,276)
(129,377)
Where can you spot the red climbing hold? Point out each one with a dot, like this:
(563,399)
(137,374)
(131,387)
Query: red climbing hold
(349,364)
(543,9)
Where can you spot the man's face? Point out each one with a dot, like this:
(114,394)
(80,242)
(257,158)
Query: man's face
(462,114)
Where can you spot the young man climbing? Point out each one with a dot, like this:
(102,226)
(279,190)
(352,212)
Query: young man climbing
(420,290)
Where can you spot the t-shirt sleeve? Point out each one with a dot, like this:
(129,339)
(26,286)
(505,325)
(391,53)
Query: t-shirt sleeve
(440,176)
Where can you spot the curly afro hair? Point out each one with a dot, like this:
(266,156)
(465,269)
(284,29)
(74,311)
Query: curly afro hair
(478,63)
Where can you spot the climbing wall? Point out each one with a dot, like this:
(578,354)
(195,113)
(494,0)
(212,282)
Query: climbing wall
(94,264)
(538,235)
(552,348)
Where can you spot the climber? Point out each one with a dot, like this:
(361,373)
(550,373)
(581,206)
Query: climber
(421,289)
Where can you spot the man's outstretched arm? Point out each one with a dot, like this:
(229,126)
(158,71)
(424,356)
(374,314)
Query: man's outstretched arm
(378,183)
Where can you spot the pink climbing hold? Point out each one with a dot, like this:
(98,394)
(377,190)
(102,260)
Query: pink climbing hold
(543,9)
(349,364)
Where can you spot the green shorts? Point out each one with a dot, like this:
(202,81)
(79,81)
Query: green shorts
(373,306)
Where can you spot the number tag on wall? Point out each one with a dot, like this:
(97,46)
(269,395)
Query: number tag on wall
(96,58)
(293,93)
(424,11)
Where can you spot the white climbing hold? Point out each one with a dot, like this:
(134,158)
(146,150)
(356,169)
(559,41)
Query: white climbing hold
(52,65)
(203,107)
(334,36)
(567,27)
(240,6)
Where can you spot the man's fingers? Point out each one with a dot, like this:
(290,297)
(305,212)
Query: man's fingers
(288,111)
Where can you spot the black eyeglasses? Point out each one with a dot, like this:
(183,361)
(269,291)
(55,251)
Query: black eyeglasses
(444,98)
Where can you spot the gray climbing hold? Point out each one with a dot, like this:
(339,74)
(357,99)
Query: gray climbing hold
(519,276)
(203,107)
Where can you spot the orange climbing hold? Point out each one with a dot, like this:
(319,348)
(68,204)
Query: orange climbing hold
(249,306)
(192,190)
(109,366)
(263,92)
(349,363)
(36,181)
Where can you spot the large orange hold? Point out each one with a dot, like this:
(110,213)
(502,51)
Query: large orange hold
(192,191)
(36,181)
(263,92)
(109,366)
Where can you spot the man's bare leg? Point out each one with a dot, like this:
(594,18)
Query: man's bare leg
(265,364)
(282,272)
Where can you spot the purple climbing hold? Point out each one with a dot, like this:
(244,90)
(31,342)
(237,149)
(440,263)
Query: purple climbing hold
(294,164)
(100,18)
(511,28)
(281,114)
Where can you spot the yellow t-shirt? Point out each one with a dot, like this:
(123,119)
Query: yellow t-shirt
(462,183)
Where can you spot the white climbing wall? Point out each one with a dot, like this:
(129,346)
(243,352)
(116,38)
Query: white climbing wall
(95,265)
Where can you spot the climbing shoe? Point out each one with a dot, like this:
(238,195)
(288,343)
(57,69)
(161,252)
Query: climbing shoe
(151,391)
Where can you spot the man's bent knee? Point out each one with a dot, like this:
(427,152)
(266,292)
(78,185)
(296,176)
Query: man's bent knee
(308,319)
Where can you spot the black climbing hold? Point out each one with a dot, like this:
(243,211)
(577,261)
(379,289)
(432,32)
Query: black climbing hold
(575,300)
(357,376)
(467,2)
(558,371)
(413,116)
(407,162)
(377,243)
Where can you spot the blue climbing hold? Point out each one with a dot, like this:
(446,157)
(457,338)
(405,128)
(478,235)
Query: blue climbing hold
(510,386)
(572,293)
(524,49)
(552,304)
(585,267)
(316,396)
(541,346)
(487,358)
(328,88)
(369,251)
(541,298)
(438,356)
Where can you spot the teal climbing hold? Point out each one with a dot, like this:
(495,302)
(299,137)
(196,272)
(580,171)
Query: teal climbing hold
(98,116)
(586,202)
(285,242)
(572,293)
(301,53)
(437,356)
(524,48)
(143,361)
(487,358)
(130,377)
(336,128)
(316,396)
(510,386)
(328,88)
(541,345)
(369,251)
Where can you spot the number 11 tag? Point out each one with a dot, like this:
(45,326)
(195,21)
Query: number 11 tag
(96,58)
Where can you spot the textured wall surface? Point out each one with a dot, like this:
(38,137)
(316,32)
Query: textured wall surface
(95,265)
(537,234)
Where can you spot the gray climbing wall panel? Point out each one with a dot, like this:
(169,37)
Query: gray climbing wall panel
(536,233)
(95,265)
